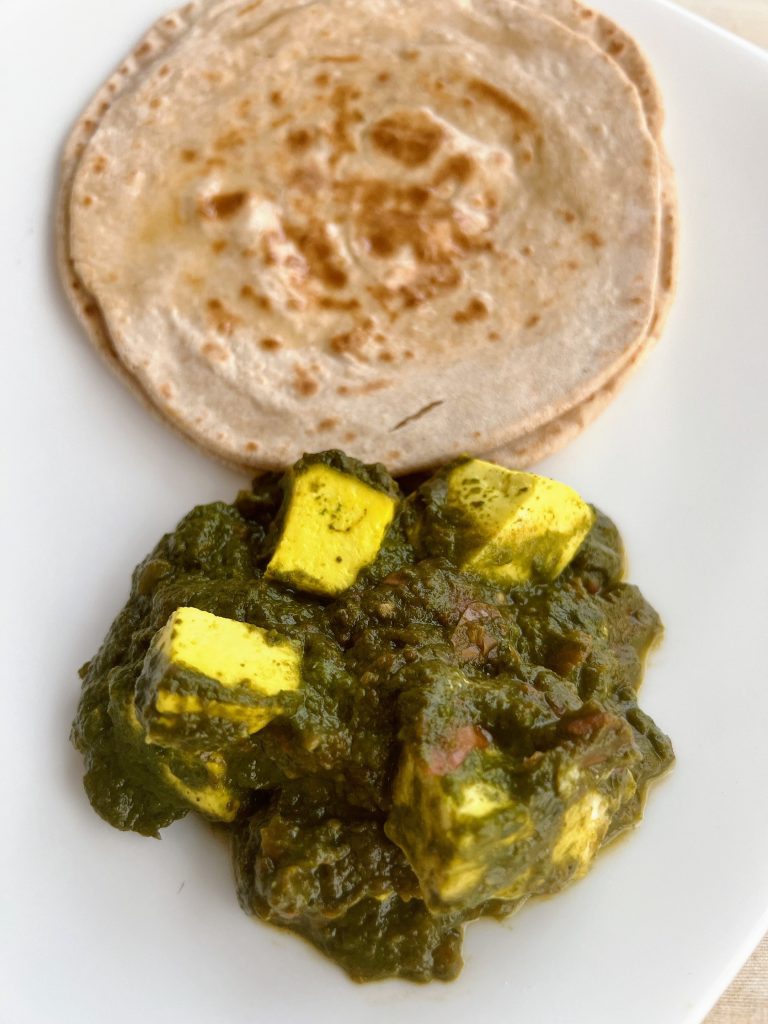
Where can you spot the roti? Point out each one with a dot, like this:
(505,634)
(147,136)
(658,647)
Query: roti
(611,38)
(407,236)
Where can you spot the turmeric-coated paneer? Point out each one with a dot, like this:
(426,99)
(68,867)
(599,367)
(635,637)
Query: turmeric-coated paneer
(517,526)
(334,526)
(197,782)
(479,820)
(209,681)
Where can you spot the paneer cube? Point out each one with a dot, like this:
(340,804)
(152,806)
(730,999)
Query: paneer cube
(334,526)
(457,829)
(198,781)
(203,785)
(476,823)
(517,526)
(210,681)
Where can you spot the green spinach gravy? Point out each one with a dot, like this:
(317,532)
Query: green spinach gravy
(456,744)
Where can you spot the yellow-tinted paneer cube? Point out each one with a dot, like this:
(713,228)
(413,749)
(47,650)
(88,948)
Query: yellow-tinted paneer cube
(212,798)
(208,681)
(201,782)
(520,526)
(585,825)
(334,527)
(456,828)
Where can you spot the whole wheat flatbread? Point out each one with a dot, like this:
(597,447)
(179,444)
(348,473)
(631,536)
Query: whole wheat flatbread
(550,437)
(559,134)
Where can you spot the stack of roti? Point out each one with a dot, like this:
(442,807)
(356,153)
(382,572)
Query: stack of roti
(408,230)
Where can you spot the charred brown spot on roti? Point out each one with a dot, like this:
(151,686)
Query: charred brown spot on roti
(212,77)
(392,218)
(249,7)
(340,58)
(411,137)
(229,140)
(306,179)
(532,320)
(343,305)
(345,116)
(251,295)
(314,243)
(594,239)
(166,391)
(219,245)
(475,309)
(503,102)
(304,383)
(155,103)
(222,205)
(91,309)
(350,342)
(271,344)
(276,98)
(251,446)
(299,139)
(328,423)
(163,71)
(188,156)
(322,78)
(86,201)
(383,76)
(214,352)
(223,319)
(99,165)
(410,55)
(494,336)
(457,168)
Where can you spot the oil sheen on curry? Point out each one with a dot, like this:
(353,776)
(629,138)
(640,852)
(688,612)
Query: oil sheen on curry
(410,704)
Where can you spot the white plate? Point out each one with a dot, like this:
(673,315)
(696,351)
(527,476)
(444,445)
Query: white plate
(99,925)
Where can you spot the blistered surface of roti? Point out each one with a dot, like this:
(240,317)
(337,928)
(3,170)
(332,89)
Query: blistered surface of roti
(292,231)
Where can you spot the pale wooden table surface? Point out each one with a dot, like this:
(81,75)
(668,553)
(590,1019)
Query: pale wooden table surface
(746,1001)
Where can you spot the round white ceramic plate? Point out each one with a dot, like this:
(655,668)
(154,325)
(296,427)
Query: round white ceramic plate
(101,926)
